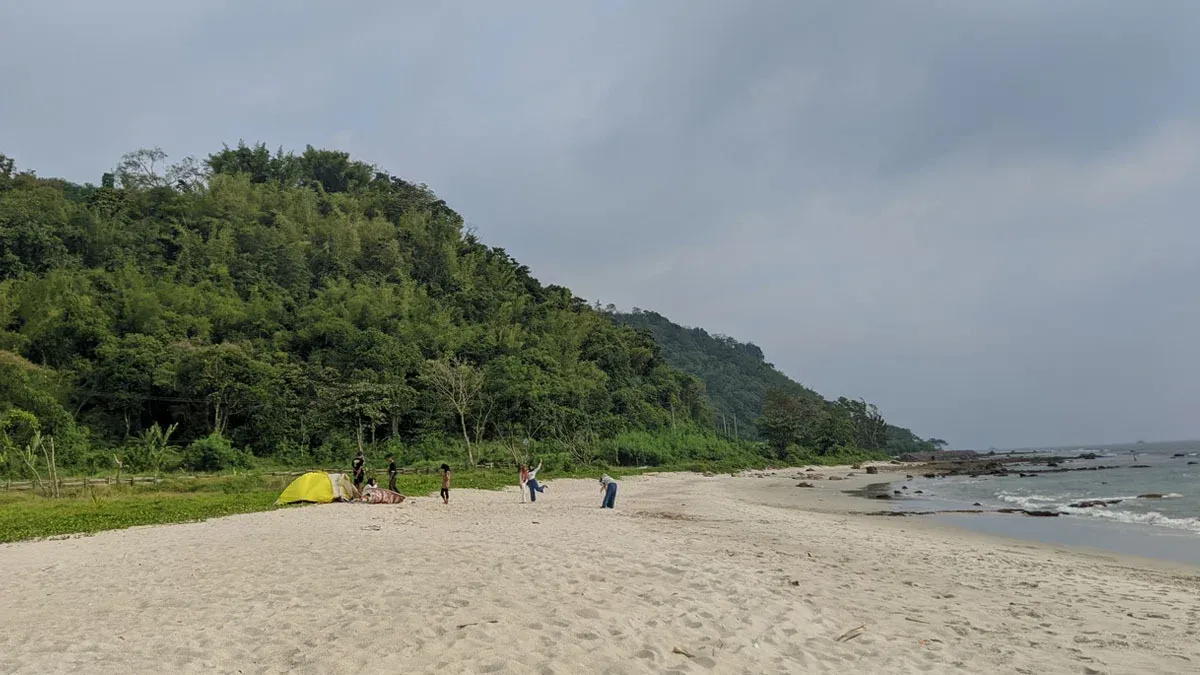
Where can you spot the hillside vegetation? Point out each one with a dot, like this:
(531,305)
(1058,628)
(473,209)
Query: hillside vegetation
(754,398)
(275,308)
(295,307)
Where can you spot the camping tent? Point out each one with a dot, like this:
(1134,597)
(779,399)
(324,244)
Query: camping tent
(319,487)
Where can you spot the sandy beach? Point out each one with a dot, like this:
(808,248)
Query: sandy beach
(690,574)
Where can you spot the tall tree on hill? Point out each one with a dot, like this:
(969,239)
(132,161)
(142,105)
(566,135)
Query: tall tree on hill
(458,384)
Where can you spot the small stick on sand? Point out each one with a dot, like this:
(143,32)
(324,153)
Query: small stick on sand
(851,634)
(681,650)
(464,625)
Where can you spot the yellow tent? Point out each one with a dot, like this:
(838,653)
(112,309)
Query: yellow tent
(320,488)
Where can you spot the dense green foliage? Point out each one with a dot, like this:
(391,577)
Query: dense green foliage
(291,307)
(766,404)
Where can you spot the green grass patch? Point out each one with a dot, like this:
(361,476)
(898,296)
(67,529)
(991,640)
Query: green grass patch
(31,516)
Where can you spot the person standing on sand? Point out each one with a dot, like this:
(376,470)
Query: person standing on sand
(392,473)
(523,477)
(609,486)
(445,484)
(532,482)
(359,466)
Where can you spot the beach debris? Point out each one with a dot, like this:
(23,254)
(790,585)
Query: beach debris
(851,634)
(684,652)
(977,504)
(919,492)
(1139,466)
(872,470)
(904,488)
(909,618)
(908,477)
(475,623)
(810,469)
(897,492)
(836,478)
(882,497)
(804,484)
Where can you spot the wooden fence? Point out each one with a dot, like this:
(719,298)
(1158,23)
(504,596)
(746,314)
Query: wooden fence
(81,482)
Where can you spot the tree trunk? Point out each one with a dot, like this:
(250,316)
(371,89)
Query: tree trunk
(462,420)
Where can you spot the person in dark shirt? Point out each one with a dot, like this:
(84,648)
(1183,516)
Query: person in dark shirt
(445,484)
(392,473)
(359,465)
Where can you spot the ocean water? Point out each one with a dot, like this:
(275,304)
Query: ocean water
(1167,526)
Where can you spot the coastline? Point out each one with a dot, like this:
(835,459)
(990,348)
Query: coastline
(1137,544)
(855,496)
(689,573)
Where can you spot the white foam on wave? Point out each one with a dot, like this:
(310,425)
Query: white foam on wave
(1148,518)
(1029,500)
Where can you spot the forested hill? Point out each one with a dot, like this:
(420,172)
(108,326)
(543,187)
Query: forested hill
(293,306)
(738,378)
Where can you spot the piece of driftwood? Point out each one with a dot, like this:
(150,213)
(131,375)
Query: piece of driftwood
(851,634)
(476,623)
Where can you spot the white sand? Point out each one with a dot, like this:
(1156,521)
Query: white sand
(488,584)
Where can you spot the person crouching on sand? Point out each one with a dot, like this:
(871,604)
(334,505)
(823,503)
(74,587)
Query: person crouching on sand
(532,482)
(445,483)
(609,486)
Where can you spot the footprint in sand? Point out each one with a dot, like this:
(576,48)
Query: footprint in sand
(587,613)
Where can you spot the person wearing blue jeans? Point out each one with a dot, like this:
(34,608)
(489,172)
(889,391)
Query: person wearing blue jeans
(610,491)
(534,487)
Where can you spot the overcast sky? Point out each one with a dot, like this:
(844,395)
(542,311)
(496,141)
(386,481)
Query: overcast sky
(982,216)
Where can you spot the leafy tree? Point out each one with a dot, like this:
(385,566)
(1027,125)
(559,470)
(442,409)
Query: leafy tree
(458,384)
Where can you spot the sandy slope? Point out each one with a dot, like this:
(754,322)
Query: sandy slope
(487,584)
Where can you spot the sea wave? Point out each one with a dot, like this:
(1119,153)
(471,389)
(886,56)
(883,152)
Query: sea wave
(1147,518)
(1031,500)
(1044,501)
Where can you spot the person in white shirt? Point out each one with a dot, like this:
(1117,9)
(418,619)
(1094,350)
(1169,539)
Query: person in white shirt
(532,482)
(610,491)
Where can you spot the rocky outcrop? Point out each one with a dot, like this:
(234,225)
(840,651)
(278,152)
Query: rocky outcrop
(1093,503)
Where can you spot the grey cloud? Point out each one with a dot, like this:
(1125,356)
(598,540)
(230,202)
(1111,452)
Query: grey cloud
(978,215)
